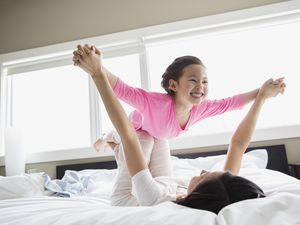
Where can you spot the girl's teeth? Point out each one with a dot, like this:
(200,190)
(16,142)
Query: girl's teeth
(197,95)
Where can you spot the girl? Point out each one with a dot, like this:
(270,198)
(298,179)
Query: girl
(210,190)
(165,116)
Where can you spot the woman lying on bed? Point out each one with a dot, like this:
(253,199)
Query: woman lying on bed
(144,182)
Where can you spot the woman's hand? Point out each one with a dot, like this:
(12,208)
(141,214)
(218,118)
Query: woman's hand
(180,197)
(89,58)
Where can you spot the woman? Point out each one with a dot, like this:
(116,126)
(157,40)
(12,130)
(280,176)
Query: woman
(210,190)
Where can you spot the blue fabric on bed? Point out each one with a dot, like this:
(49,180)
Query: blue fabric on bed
(70,185)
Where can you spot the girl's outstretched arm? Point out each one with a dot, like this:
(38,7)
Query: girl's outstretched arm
(135,161)
(242,136)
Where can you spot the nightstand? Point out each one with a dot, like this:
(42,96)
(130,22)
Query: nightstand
(295,169)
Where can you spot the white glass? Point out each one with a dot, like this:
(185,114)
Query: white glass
(52,108)
(15,155)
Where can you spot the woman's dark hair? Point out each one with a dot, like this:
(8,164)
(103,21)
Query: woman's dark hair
(174,70)
(216,193)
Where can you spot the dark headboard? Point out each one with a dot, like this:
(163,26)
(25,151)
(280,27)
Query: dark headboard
(277,160)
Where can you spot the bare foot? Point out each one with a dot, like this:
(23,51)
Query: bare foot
(106,142)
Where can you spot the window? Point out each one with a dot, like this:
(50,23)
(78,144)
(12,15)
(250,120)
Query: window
(51,106)
(126,68)
(239,61)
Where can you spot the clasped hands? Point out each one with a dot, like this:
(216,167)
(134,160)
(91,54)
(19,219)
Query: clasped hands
(89,59)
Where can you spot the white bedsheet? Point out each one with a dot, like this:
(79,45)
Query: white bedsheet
(281,206)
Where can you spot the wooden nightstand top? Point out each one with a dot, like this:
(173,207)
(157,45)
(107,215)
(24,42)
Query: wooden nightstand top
(294,164)
(295,169)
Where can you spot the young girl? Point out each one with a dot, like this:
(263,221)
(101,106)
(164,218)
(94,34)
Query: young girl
(210,190)
(165,116)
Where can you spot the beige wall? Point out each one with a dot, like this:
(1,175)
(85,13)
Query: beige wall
(36,23)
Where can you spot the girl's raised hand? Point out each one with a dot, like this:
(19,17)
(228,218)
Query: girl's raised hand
(281,83)
(271,88)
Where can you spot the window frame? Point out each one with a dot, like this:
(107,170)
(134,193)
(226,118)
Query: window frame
(135,41)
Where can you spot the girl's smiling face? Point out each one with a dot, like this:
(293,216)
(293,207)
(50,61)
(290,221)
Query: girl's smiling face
(192,86)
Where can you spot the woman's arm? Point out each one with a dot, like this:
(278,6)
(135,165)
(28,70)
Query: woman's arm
(135,161)
(242,136)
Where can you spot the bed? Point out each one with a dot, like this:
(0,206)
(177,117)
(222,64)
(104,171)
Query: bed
(266,165)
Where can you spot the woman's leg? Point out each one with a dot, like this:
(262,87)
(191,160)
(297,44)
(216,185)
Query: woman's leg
(122,190)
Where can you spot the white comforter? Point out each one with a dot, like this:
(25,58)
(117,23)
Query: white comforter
(23,201)
(282,206)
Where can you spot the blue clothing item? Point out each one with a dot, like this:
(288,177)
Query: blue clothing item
(70,185)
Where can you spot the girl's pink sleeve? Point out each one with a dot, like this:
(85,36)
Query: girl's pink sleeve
(136,97)
(215,107)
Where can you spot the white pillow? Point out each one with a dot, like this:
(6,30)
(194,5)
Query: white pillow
(26,185)
(102,181)
(254,159)
(190,167)
(107,175)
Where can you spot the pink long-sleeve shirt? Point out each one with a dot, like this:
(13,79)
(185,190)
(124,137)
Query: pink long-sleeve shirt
(156,112)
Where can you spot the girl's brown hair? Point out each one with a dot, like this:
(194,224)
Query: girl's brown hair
(174,70)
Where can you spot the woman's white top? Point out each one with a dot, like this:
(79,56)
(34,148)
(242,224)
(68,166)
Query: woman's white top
(151,191)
